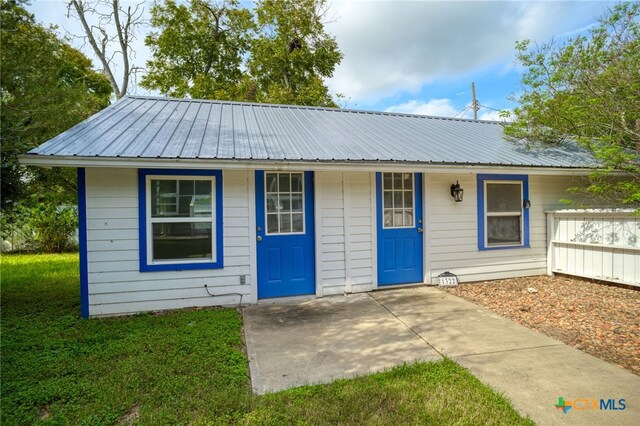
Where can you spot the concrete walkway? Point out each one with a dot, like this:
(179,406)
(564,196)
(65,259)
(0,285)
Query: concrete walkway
(316,341)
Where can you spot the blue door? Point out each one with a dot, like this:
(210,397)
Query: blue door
(399,222)
(284,234)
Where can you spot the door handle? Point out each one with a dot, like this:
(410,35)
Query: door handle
(259,238)
(420,230)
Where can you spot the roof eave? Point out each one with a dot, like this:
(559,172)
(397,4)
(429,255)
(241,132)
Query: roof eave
(270,164)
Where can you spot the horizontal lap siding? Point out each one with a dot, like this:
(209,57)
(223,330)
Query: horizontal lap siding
(453,230)
(116,285)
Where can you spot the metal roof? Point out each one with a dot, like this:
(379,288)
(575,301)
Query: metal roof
(165,128)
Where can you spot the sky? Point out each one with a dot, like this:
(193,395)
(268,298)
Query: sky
(416,56)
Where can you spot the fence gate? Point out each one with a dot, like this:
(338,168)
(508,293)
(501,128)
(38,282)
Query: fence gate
(598,244)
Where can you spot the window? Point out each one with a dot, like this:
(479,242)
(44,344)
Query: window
(180,219)
(284,203)
(397,194)
(503,222)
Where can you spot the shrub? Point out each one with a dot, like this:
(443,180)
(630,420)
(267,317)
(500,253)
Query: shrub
(46,227)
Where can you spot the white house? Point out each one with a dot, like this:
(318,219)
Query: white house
(196,203)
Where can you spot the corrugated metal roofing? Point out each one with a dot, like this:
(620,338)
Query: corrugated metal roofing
(165,128)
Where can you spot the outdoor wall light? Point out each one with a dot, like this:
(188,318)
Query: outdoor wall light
(457,192)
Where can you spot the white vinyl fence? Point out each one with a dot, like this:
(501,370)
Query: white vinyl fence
(598,244)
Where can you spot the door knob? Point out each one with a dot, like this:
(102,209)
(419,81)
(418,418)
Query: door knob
(419,229)
(259,238)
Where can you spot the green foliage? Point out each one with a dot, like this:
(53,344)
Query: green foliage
(46,87)
(292,53)
(46,227)
(53,227)
(188,367)
(279,54)
(588,90)
(199,48)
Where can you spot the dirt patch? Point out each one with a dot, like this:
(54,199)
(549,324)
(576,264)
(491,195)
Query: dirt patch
(601,320)
(132,414)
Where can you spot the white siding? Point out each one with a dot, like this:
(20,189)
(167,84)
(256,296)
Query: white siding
(344,232)
(599,245)
(116,285)
(452,230)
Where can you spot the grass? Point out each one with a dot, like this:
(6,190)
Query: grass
(188,366)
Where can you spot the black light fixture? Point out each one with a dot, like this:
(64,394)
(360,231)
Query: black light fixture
(457,192)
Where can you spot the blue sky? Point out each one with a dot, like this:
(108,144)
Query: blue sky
(418,56)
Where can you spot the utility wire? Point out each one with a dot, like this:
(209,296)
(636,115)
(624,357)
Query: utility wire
(463,112)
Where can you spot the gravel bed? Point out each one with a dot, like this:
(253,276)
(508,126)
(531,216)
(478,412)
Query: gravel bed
(599,319)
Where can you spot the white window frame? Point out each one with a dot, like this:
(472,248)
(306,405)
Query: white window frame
(488,214)
(266,212)
(413,194)
(151,220)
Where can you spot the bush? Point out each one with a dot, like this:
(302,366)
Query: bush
(46,227)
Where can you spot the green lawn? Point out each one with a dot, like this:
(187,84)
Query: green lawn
(188,367)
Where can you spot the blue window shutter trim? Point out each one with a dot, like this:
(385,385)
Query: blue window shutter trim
(142,221)
(481,178)
(82,243)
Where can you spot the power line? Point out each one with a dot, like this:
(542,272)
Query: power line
(463,112)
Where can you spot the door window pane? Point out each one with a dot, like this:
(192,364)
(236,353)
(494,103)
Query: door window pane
(407,179)
(398,200)
(285,223)
(272,223)
(387,179)
(296,182)
(388,218)
(272,182)
(284,183)
(296,222)
(285,203)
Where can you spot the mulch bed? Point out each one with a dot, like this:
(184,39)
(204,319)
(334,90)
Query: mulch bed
(599,319)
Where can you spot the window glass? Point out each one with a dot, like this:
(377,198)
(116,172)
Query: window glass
(407,181)
(297,224)
(184,240)
(180,198)
(397,196)
(285,203)
(503,230)
(503,197)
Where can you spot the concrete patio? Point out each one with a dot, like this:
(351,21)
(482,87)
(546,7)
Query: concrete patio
(298,342)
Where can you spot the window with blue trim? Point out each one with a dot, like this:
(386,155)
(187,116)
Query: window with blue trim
(180,219)
(503,214)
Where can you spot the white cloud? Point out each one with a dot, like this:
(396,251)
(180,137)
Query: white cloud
(490,115)
(400,46)
(435,107)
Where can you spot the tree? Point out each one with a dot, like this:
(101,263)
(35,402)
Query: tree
(293,54)
(588,90)
(199,50)
(111,36)
(46,87)
(280,54)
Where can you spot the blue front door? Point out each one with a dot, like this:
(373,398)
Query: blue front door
(399,222)
(284,234)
